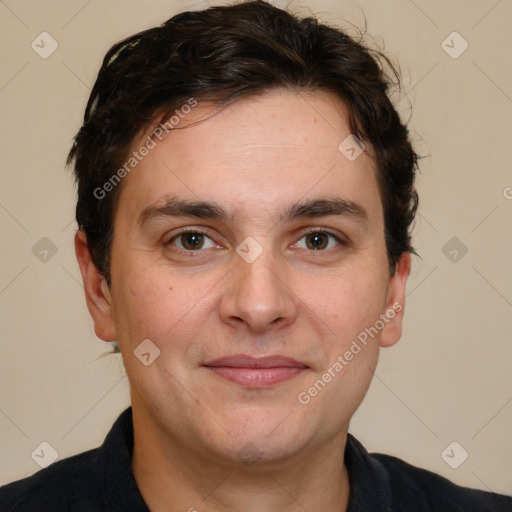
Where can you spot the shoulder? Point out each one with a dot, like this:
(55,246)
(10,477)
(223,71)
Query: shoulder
(411,486)
(387,484)
(70,484)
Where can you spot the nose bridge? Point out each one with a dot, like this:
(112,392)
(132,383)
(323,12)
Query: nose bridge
(260,279)
(258,295)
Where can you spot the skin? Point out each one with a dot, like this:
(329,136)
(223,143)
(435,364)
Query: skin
(202,442)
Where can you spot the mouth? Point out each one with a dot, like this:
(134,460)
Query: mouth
(251,372)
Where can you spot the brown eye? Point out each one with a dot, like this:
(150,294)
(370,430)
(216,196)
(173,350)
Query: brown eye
(192,241)
(320,240)
(317,241)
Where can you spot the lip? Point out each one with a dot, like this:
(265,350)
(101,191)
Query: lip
(253,372)
(244,361)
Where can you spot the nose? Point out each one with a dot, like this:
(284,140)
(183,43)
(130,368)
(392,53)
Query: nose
(258,297)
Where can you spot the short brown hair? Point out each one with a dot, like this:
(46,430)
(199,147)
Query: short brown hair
(223,54)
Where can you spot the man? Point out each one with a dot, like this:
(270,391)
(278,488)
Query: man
(245,194)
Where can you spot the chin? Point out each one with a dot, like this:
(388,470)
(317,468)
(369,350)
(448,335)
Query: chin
(265,436)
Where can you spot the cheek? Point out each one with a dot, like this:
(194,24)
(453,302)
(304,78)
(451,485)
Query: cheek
(159,303)
(346,302)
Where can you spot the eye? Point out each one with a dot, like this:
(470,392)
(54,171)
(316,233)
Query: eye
(319,240)
(192,241)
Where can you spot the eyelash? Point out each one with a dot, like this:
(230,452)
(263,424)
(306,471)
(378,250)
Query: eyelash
(312,231)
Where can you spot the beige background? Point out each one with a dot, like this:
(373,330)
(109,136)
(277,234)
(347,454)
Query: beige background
(449,379)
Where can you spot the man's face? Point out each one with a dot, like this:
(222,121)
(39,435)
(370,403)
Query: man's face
(260,271)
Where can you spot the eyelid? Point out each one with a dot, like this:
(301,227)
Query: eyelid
(189,229)
(319,230)
(341,239)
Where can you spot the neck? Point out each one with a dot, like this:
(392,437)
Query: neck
(172,478)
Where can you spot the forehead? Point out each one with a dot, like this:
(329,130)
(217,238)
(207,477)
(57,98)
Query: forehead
(255,155)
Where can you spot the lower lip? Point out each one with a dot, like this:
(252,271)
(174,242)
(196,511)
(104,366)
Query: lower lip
(256,377)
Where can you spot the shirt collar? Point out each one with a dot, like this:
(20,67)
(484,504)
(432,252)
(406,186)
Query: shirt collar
(120,489)
(370,487)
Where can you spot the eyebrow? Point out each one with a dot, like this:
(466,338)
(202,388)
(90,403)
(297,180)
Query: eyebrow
(174,207)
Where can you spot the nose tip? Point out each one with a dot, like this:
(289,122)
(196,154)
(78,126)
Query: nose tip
(258,297)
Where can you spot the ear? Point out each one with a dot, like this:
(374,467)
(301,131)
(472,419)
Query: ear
(97,293)
(396,302)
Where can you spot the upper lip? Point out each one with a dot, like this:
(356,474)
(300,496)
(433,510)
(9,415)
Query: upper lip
(243,361)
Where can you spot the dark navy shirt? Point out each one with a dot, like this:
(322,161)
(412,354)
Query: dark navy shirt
(101,480)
